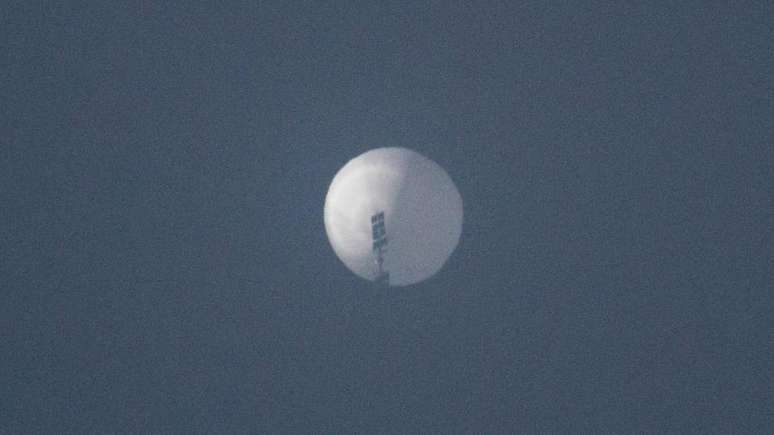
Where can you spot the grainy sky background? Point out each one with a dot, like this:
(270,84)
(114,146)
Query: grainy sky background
(163,260)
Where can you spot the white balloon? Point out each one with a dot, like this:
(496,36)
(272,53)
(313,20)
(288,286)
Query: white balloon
(422,216)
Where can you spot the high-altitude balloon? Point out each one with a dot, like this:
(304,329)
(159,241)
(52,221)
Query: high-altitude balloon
(393,216)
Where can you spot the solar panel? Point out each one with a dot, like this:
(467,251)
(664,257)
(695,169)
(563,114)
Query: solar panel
(379,235)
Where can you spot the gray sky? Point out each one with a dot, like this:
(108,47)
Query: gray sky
(164,264)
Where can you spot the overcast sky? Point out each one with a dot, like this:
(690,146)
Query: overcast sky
(163,260)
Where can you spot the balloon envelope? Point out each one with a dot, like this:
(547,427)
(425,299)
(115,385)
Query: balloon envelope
(393,212)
